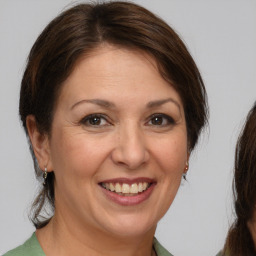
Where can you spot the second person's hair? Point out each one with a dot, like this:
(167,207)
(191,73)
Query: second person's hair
(239,240)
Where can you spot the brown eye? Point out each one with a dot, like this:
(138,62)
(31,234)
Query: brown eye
(94,120)
(160,120)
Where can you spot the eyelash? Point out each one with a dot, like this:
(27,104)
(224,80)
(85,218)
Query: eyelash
(90,117)
(169,120)
(163,118)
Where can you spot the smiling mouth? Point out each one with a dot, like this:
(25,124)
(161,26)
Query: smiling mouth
(125,189)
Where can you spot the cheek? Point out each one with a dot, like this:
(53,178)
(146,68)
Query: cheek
(172,155)
(76,155)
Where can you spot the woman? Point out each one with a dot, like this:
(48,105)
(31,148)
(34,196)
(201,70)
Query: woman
(241,239)
(112,104)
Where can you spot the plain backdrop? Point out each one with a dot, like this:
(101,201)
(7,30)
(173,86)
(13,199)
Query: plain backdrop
(221,36)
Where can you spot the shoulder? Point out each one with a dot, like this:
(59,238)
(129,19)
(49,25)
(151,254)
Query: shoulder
(160,250)
(30,248)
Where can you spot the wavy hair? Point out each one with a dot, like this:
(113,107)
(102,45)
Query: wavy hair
(239,241)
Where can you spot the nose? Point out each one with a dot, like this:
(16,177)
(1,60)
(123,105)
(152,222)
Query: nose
(130,148)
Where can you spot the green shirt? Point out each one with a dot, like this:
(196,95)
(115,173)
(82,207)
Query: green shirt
(221,254)
(32,248)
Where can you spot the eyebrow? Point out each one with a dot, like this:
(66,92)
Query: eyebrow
(158,103)
(103,103)
(107,104)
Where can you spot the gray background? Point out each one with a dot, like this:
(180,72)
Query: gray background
(221,36)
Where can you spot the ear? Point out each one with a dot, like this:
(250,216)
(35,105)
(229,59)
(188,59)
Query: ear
(40,144)
(188,156)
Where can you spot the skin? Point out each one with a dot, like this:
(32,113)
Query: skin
(252,227)
(127,142)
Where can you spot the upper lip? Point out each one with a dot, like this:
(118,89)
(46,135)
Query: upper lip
(130,181)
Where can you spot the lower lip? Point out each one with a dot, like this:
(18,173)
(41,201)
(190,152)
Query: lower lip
(129,200)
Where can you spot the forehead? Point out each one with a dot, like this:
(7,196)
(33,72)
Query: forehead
(108,59)
(113,71)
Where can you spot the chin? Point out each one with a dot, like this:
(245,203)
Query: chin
(130,227)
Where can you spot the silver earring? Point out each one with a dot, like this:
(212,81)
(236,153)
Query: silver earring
(45,176)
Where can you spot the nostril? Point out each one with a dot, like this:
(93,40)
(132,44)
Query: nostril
(130,150)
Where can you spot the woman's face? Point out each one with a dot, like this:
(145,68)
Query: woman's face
(118,145)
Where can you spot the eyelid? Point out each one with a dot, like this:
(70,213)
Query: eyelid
(98,115)
(170,119)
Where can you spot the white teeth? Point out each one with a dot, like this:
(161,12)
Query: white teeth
(112,188)
(126,189)
(140,187)
(134,189)
(144,185)
(118,188)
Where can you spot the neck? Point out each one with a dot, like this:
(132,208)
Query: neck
(62,237)
(252,227)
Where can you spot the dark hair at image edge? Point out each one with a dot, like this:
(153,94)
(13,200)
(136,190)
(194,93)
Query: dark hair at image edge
(239,240)
(80,30)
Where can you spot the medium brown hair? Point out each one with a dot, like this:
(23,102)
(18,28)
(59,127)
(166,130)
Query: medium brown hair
(83,28)
(239,240)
